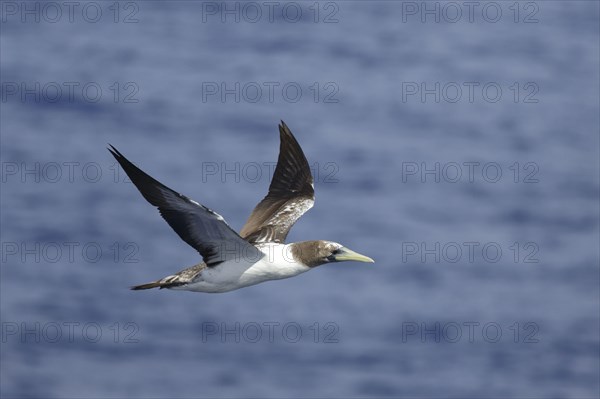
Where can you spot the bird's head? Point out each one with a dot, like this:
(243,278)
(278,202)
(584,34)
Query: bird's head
(315,253)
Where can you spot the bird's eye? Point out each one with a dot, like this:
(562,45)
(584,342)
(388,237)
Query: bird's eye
(337,251)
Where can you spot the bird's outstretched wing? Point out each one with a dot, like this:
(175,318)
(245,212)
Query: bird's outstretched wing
(200,227)
(291,194)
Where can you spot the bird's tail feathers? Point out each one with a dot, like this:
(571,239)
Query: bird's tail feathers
(167,282)
(155,284)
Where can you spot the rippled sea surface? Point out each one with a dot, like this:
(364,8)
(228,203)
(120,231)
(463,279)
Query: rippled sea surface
(457,146)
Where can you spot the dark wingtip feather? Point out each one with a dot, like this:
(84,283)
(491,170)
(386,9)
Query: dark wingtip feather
(286,134)
(115,153)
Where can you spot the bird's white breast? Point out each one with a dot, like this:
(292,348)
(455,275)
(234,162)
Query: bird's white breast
(278,263)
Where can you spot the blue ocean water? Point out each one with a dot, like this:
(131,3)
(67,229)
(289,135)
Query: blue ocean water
(456,144)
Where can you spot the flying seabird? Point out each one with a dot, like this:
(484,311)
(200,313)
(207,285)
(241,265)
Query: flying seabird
(259,253)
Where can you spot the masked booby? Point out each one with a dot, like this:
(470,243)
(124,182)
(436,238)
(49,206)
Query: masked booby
(259,252)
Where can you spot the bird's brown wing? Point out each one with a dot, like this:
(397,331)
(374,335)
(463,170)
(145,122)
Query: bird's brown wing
(291,194)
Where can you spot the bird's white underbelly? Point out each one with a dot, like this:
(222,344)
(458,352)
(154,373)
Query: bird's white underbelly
(277,263)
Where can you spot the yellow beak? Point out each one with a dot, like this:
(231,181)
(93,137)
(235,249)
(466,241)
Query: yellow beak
(347,254)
